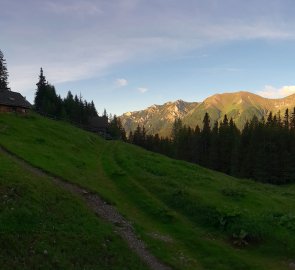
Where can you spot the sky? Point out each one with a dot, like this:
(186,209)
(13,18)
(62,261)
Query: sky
(126,55)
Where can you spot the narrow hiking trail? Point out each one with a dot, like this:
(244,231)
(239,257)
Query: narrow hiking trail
(100,208)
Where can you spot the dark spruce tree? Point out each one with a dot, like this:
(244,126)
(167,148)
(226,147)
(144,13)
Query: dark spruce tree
(116,130)
(138,136)
(176,136)
(286,119)
(225,148)
(235,146)
(46,100)
(292,120)
(196,145)
(40,93)
(205,140)
(3,73)
(214,155)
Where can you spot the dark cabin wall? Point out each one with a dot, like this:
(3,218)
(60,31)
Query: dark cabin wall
(4,108)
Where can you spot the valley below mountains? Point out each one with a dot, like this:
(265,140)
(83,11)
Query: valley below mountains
(241,106)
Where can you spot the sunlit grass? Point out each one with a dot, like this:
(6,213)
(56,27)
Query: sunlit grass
(190,217)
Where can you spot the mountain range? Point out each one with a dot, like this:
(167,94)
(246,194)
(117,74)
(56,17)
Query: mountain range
(241,106)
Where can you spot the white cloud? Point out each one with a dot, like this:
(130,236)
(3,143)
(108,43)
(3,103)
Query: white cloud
(75,8)
(84,39)
(121,82)
(142,90)
(288,90)
(270,91)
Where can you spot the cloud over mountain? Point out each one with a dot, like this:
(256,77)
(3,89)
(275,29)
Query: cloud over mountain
(273,92)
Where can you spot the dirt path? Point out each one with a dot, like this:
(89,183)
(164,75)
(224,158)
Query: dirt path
(102,209)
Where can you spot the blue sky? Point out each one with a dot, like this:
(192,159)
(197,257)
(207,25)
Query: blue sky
(126,55)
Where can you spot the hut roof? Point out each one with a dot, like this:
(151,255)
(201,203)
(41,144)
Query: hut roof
(13,99)
(98,121)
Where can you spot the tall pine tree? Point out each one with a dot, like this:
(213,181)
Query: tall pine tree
(205,140)
(40,93)
(3,73)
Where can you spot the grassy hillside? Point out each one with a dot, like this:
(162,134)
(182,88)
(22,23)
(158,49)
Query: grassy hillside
(190,217)
(44,227)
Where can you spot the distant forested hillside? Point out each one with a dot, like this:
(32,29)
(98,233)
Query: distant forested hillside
(263,150)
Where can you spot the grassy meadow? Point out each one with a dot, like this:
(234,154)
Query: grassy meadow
(44,227)
(189,217)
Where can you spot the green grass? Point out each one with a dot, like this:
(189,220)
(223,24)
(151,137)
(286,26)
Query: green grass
(44,227)
(190,217)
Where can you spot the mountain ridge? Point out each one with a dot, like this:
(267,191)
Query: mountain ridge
(241,106)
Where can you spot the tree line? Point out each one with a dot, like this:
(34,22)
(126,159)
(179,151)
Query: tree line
(72,108)
(263,150)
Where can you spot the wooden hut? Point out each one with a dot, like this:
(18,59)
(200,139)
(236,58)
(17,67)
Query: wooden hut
(98,124)
(13,102)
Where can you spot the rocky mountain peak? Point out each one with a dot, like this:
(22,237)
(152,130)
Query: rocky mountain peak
(241,106)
